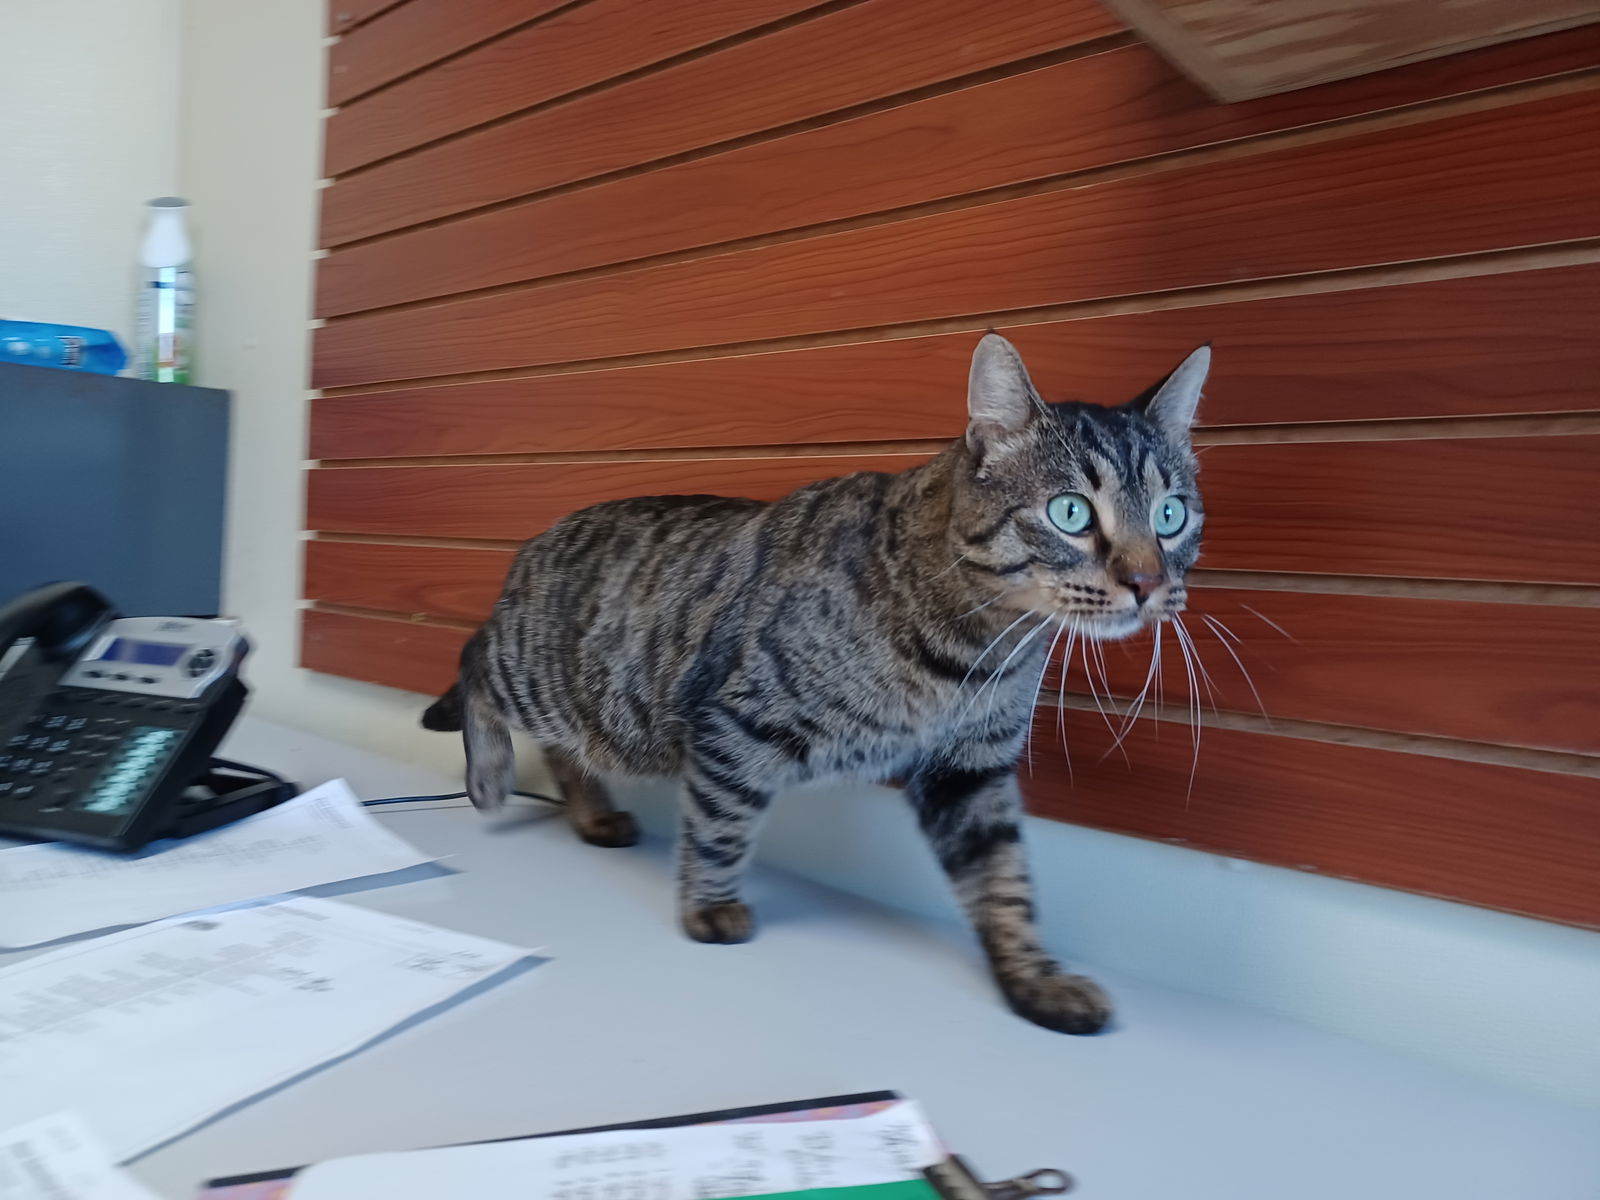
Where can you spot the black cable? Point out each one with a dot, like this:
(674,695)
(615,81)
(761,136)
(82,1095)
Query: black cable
(228,765)
(540,796)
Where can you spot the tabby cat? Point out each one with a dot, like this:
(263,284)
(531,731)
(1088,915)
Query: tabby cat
(867,627)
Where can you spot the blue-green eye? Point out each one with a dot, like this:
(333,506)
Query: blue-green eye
(1070,512)
(1170,516)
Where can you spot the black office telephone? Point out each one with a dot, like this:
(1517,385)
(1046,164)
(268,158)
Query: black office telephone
(108,724)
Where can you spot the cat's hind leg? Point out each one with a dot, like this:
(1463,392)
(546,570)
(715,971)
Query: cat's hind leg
(589,808)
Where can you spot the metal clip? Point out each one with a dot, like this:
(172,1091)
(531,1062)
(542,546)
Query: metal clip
(1047,1182)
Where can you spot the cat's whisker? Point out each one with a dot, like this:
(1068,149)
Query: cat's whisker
(1183,633)
(1039,687)
(994,676)
(1238,662)
(1269,621)
(1015,650)
(1137,707)
(1061,700)
(974,611)
(993,644)
(960,558)
(1217,624)
(1194,718)
(1094,692)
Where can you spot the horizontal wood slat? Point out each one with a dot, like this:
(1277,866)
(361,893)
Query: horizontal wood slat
(520,501)
(452,582)
(1521,840)
(1498,836)
(398,654)
(417,33)
(1510,674)
(1126,104)
(584,45)
(1333,356)
(813,68)
(1468,508)
(343,15)
(1521,175)
(1486,508)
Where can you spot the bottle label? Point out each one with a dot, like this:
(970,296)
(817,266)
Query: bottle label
(166,309)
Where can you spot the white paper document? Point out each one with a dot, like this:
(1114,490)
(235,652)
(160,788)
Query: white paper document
(56,1158)
(701,1162)
(147,1032)
(324,835)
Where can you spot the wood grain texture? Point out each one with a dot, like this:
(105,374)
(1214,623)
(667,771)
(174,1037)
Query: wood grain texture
(1501,837)
(815,67)
(573,49)
(1241,49)
(398,654)
(519,501)
(1126,104)
(344,15)
(434,581)
(1467,508)
(1521,342)
(1462,508)
(1525,841)
(1520,175)
(415,34)
(1510,674)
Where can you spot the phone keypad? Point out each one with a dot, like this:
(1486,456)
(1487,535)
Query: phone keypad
(92,751)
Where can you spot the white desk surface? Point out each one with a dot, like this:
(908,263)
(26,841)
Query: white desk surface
(1186,1097)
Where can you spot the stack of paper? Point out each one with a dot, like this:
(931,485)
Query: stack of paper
(52,891)
(146,1033)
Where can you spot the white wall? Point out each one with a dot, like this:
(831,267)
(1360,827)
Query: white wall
(88,106)
(1501,996)
(251,130)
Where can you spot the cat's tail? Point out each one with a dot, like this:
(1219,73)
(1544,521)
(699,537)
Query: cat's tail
(469,707)
(444,714)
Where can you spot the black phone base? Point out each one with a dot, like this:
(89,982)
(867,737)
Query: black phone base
(226,792)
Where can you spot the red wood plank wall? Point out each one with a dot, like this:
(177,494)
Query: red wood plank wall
(616,247)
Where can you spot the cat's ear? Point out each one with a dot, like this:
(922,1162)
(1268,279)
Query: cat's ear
(1001,399)
(1171,403)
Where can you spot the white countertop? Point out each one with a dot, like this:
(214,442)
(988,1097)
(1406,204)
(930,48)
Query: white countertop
(1185,1097)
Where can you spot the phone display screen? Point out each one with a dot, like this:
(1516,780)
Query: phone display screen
(150,654)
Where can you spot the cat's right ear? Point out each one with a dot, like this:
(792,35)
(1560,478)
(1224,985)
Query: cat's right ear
(1001,399)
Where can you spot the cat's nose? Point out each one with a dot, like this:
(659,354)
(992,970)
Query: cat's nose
(1143,584)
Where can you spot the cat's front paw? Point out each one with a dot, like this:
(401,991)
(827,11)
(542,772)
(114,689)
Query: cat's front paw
(727,923)
(1065,1003)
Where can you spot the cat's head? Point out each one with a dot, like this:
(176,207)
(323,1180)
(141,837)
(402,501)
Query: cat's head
(1078,509)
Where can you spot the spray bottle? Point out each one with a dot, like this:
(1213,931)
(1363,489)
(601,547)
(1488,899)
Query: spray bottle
(166,295)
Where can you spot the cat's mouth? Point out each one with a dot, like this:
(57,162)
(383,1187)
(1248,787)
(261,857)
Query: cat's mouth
(1111,627)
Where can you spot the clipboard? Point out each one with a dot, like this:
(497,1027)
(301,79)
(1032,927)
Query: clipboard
(952,1179)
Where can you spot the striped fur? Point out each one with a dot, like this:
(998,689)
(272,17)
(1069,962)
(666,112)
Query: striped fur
(867,627)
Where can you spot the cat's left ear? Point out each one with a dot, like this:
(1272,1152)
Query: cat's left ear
(1171,404)
(1000,397)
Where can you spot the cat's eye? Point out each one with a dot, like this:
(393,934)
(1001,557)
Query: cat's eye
(1070,512)
(1170,516)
